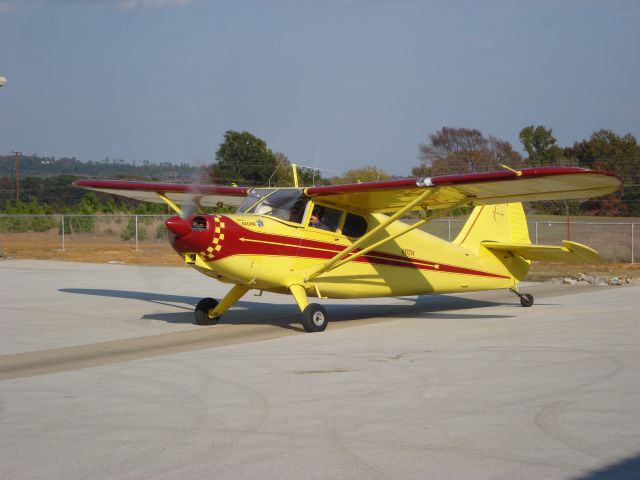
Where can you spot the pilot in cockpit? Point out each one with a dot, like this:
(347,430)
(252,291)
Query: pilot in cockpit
(314,221)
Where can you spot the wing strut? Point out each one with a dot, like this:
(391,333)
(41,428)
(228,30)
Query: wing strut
(171,203)
(340,258)
(419,223)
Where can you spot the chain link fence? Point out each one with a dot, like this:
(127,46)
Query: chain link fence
(64,232)
(616,241)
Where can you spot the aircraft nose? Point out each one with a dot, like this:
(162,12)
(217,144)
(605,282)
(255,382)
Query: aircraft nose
(191,234)
(178,226)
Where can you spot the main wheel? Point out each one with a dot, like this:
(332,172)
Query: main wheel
(526,299)
(314,318)
(202,312)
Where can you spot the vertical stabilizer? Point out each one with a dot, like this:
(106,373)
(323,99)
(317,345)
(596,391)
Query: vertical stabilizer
(505,222)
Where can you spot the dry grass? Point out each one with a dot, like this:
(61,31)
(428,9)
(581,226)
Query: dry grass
(40,247)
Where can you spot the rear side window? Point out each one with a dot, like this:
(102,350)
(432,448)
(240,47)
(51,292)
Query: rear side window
(354,225)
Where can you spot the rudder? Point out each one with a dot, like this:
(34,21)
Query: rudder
(504,222)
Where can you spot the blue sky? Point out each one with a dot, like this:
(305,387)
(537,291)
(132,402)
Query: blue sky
(345,82)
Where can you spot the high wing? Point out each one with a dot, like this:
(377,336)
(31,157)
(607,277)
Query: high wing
(206,195)
(486,188)
(528,184)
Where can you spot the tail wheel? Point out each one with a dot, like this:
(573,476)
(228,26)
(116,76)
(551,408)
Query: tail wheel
(526,299)
(314,318)
(202,312)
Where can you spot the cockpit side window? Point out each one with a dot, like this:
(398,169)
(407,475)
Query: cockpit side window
(285,203)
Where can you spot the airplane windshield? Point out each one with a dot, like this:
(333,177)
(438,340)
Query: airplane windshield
(284,203)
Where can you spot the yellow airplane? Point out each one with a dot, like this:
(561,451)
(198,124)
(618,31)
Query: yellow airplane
(347,241)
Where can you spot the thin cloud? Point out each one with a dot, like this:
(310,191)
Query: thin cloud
(628,13)
(10,6)
(7,6)
(335,2)
(132,4)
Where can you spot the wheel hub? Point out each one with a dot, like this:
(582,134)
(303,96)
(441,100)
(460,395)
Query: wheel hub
(318,318)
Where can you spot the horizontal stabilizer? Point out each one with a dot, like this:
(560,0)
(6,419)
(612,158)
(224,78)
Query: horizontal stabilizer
(569,252)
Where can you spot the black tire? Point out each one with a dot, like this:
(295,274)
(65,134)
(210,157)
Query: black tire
(202,312)
(526,299)
(314,318)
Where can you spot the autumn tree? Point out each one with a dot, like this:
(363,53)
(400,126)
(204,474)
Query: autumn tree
(606,150)
(464,150)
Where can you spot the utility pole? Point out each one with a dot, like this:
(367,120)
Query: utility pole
(18,155)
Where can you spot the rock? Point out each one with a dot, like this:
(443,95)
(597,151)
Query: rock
(569,281)
(555,281)
(586,278)
(615,281)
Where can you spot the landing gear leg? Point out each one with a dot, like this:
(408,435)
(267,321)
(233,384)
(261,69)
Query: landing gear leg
(526,299)
(208,311)
(314,316)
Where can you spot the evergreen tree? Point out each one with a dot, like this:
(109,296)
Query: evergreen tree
(243,159)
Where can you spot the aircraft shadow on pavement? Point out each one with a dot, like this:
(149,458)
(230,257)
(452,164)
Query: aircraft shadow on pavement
(288,315)
(625,469)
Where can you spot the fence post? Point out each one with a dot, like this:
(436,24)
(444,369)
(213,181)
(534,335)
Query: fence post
(136,233)
(62,221)
(449,223)
(632,243)
(537,232)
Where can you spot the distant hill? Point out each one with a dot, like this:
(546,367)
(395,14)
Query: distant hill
(35,166)
(45,182)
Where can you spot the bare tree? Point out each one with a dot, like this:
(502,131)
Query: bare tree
(463,150)
(448,141)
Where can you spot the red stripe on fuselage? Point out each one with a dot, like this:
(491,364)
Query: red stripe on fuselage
(242,241)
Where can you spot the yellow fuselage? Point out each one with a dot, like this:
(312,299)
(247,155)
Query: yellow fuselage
(270,254)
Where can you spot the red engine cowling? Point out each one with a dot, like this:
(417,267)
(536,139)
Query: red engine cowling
(192,234)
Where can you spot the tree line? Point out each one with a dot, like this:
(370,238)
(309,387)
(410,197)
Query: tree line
(39,166)
(244,159)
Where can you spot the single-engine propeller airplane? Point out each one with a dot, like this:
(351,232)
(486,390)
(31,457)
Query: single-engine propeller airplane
(346,241)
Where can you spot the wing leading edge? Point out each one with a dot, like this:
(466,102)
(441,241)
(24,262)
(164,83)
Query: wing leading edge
(207,195)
